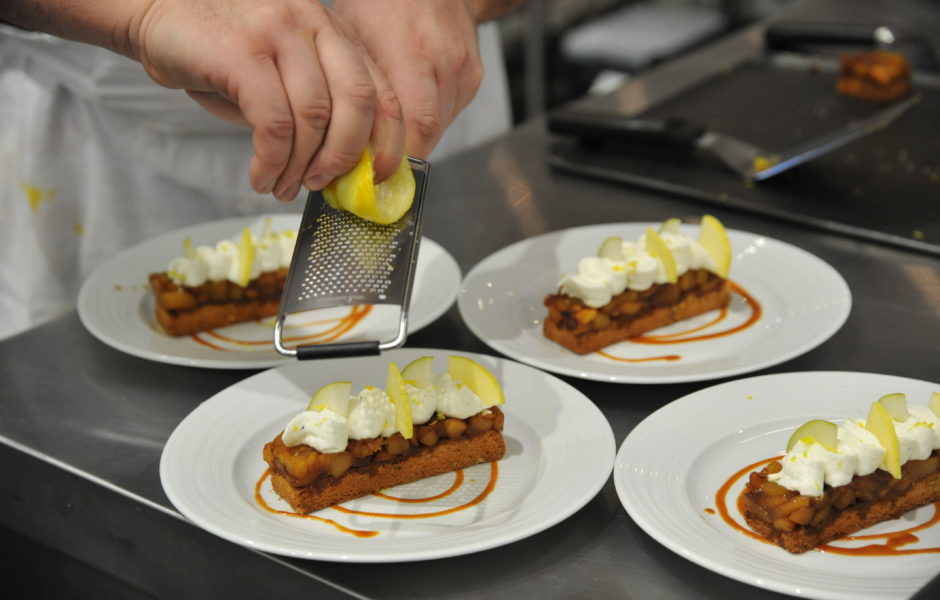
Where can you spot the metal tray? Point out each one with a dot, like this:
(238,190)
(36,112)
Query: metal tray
(884,187)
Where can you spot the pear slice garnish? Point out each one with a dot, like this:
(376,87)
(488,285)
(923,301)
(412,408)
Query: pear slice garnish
(419,371)
(246,257)
(611,248)
(881,424)
(934,403)
(817,431)
(475,376)
(896,405)
(714,239)
(395,388)
(333,397)
(657,248)
(670,226)
(188,250)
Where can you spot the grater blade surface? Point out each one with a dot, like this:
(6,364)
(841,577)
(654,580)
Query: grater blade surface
(343,260)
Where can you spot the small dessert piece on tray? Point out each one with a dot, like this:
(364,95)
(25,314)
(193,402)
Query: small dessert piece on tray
(631,288)
(838,479)
(877,76)
(235,281)
(346,446)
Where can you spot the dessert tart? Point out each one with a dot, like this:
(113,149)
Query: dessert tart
(631,288)
(234,281)
(877,76)
(835,480)
(346,446)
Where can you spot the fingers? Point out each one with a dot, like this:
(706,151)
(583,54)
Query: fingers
(265,105)
(388,130)
(425,105)
(221,107)
(310,105)
(353,96)
(428,50)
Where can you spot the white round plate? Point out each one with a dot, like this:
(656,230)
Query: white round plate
(804,301)
(671,465)
(559,453)
(116,305)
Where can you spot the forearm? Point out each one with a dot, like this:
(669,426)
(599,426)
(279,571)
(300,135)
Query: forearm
(105,23)
(487,10)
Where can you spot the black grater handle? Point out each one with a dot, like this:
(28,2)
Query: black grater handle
(337,350)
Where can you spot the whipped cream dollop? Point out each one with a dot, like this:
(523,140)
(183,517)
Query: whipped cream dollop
(919,435)
(272,251)
(598,279)
(321,429)
(372,414)
(807,468)
(455,399)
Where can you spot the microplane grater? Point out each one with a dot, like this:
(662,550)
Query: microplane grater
(343,260)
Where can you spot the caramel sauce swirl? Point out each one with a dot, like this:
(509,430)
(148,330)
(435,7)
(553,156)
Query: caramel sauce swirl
(893,544)
(689,335)
(457,484)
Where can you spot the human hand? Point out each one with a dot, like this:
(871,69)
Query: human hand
(428,50)
(283,68)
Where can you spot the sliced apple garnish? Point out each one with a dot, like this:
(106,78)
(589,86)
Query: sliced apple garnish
(819,431)
(395,388)
(714,239)
(333,397)
(188,250)
(879,422)
(896,405)
(246,257)
(657,248)
(611,248)
(419,371)
(670,226)
(475,376)
(934,403)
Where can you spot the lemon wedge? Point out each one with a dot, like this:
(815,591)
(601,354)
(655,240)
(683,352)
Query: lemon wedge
(395,388)
(657,248)
(714,239)
(475,376)
(333,397)
(822,432)
(879,422)
(382,203)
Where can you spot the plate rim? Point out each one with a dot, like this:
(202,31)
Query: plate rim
(90,322)
(601,432)
(823,335)
(647,523)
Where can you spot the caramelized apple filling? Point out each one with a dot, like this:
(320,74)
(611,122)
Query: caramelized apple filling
(787,510)
(302,465)
(171,296)
(570,313)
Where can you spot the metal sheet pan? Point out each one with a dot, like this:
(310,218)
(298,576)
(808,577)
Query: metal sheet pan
(885,187)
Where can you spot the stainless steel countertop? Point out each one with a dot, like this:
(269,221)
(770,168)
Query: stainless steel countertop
(82,425)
